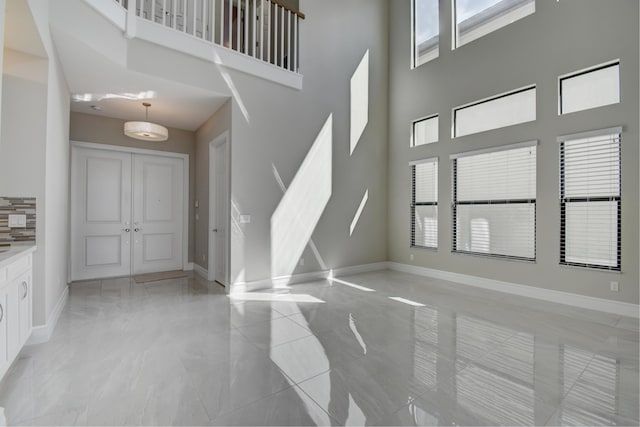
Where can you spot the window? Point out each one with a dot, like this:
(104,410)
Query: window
(590,223)
(476,18)
(498,111)
(424,203)
(590,89)
(426,30)
(494,202)
(425,131)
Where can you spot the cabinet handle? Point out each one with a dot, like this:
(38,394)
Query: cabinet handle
(25,286)
(137,229)
(1,313)
(126,230)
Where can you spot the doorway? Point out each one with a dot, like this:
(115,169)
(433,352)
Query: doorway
(219,209)
(127,212)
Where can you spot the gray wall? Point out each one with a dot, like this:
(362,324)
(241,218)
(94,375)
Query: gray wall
(559,38)
(106,130)
(281,125)
(217,124)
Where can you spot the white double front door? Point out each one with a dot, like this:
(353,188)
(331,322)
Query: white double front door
(126,213)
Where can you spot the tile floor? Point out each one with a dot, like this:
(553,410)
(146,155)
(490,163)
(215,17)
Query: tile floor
(325,353)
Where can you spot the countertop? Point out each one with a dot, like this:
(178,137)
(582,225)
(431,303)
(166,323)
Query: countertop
(17,251)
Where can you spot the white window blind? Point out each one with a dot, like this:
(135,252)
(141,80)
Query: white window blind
(424,203)
(590,89)
(590,200)
(494,202)
(499,111)
(425,131)
(426,31)
(477,18)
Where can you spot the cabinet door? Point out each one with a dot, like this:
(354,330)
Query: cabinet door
(3,331)
(24,307)
(12,315)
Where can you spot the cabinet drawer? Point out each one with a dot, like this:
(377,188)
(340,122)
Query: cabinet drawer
(14,269)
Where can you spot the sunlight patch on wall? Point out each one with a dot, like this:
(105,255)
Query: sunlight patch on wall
(312,245)
(356,217)
(359,101)
(299,211)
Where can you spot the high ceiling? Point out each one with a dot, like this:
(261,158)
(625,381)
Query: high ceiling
(101,86)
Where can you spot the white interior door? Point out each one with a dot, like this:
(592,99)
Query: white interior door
(157,213)
(218,209)
(100,214)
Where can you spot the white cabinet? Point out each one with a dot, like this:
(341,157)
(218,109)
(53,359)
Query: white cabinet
(15,309)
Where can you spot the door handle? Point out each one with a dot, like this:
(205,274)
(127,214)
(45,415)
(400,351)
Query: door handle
(126,230)
(26,288)
(137,229)
(215,230)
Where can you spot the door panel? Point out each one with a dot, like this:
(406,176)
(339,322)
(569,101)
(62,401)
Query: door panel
(158,211)
(100,214)
(219,209)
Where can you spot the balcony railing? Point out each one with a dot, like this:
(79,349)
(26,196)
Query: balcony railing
(266,30)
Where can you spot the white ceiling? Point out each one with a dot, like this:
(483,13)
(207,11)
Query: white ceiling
(88,72)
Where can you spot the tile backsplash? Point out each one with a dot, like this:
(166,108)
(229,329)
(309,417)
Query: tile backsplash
(17,206)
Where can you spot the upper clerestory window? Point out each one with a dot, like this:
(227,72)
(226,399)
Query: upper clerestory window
(476,18)
(426,31)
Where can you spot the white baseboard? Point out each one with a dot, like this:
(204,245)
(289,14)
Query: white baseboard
(284,281)
(42,333)
(201,271)
(582,301)
(189,267)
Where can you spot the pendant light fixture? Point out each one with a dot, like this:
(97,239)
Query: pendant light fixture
(146,131)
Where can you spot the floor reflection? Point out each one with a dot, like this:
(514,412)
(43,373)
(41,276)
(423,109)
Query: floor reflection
(335,352)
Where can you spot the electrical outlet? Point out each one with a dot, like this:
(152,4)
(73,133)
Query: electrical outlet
(301,261)
(197,217)
(614,286)
(411,257)
(204,257)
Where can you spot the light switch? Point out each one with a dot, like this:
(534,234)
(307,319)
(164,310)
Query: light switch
(17,221)
(245,219)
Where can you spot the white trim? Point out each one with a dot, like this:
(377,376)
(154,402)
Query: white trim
(575,300)
(218,141)
(591,134)
(284,281)
(590,68)
(495,149)
(201,271)
(185,182)
(41,334)
(423,161)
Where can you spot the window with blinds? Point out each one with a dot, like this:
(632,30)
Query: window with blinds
(507,109)
(590,200)
(592,88)
(424,203)
(425,131)
(494,202)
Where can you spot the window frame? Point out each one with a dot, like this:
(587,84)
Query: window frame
(455,110)
(423,119)
(454,202)
(414,45)
(582,72)
(414,204)
(565,200)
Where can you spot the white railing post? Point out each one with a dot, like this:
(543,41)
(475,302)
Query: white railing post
(221,22)
(130,31)
(164,13)
(212,28)
(270,32)
(184,16)
(195,8)
(262,30)
(174,14)
(288,39)
(254,16)
(281,36)
(239,27)
(246,26)
(295,42)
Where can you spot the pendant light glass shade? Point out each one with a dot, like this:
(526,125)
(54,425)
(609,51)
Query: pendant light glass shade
(146,131)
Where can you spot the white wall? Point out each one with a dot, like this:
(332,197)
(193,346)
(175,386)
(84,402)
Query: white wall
(3,4)
(275,126)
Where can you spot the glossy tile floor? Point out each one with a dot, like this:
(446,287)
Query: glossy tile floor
(327,353)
